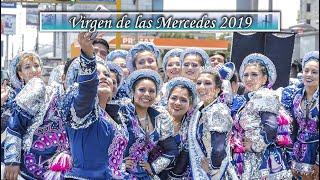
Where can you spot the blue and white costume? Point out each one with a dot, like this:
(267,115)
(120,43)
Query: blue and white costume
(141,144)
(305,124)
(97,138)
(256,116)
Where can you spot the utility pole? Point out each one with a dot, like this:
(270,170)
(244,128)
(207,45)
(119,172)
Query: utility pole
(55,37)
(118,34)
(64,46)
(270,10)
(7,51)
(22,42)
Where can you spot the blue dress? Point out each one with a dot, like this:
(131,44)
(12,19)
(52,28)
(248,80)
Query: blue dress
(180,168)
(97,140)
(305,133)
(35,134)
(255,118)
(208,134)
(141,144)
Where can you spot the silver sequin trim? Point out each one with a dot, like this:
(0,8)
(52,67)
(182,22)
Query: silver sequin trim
(12,149)
(81,123)
(164,124)
(217,118)
(281,175)
(195,151)
(75,177)
(32,96)
(252,162)
(38,119)
(302,167)
(160,164)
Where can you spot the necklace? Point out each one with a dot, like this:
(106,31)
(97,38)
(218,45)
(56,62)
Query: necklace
(308,105)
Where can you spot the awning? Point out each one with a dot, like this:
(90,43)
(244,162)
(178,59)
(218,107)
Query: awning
(170,43)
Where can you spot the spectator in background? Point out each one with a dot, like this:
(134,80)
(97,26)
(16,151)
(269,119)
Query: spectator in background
(101,48)
(217,58)
(236,84)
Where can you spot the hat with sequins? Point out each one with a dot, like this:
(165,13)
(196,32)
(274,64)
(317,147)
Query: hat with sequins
(196,51)
(116,69)
(265,61)
(144,74)
(12,69)
(184,82)
(141,47)
(117,53)
(172,53)
(313,55)
(73,70)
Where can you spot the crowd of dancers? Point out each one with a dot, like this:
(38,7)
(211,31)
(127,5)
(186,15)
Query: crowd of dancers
(113,116)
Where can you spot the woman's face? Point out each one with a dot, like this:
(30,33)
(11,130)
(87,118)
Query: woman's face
(144,93)
(191,67)
(206,88)
(113,76)
(105,86)
(121,62)
(173,67)
(311,74)
(29,68)
(179,102)
(253,78)
(146,60)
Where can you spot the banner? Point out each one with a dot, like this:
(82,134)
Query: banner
(8,5)
(161,21)
(8,22)
(278,48)
(97,1)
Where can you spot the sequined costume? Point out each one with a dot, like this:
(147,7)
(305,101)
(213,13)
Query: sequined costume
(7,108)
(181,166)
(208,137)
(16,84)
(141,143)
(36,134)
(305,128)
(97,139)
(255,118)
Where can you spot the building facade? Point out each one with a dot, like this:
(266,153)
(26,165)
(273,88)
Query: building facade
(309,12)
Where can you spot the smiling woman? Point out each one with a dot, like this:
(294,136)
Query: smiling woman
(303,104)
(151,126)
(256,128)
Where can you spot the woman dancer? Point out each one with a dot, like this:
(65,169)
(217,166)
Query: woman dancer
(255,130)
(36,139)
(143,55)
(151,126)
(96,134)
(303,104)
(182,98)
(192,61)
(209,128)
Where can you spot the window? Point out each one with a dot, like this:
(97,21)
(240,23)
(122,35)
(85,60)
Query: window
(308,7)
(308,21)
